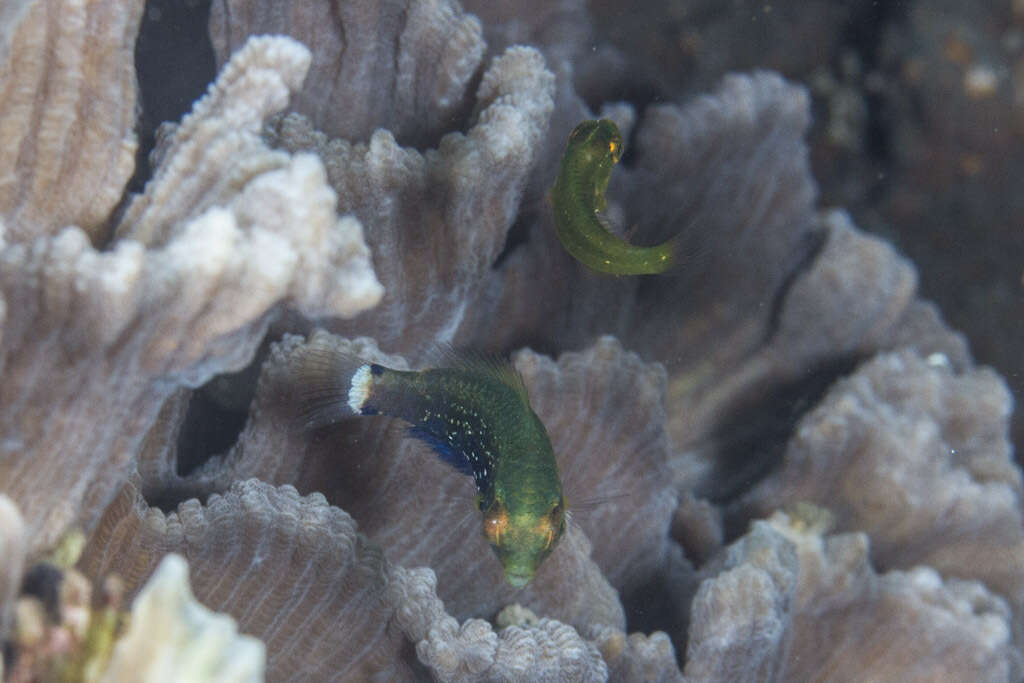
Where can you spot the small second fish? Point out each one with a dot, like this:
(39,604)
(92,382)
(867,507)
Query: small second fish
(578,201)
(476,416)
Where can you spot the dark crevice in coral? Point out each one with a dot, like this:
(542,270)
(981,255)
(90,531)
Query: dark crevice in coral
(210,429)
(105,240)
(166,501)
(655,606)
(804,256)
(396,51)
(175,64)
(538,343)
(863,34)
(407,653)
(9,655)
(516,236)
(461,120)
(217,414)
(750,442)
(877,143)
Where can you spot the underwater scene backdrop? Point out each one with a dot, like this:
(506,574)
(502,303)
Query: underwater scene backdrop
(781,459)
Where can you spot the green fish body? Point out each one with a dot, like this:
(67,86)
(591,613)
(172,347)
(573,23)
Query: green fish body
(476,417)
(578,201)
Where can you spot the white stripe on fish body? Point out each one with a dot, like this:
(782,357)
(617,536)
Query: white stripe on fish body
(359,391)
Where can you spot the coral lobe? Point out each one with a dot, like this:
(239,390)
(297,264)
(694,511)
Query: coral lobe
(799,471)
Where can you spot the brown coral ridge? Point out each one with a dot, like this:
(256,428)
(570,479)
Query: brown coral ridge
(917,456)
(67,113)
(441,216)
(777,288)
(93,343)
(444,213)
(542,651)
(789,602)
(410,62)
(292,570)
(421,511)
(240,222)
(689,177)
(295,572)
(778,294)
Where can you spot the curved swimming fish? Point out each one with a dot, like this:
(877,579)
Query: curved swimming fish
(476,416)
(577,196)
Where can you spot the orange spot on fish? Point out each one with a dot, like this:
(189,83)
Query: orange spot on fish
(495,525)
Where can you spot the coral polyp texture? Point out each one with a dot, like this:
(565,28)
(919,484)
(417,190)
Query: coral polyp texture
(779,462)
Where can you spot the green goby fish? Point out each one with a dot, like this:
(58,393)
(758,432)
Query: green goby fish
(476,417)
(577,198)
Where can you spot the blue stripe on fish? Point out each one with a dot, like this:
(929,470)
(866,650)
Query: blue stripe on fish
(444,449)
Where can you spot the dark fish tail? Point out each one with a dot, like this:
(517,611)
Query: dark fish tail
(332,384)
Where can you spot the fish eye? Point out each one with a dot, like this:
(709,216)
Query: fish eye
(493,529)
(495,523)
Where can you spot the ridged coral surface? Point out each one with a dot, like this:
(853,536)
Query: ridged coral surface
(780,464)
(67,113)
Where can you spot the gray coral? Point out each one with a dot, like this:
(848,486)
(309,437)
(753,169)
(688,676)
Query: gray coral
(373,179)
(545,650)
(12,542)
(442,216)
(294,571)
(917,457)
(186,291)
(420,60)
(789,602)
(68,148)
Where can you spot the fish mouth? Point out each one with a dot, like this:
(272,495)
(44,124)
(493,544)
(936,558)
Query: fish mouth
(518,580)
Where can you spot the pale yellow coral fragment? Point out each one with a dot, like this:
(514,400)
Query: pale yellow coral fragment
(172,638)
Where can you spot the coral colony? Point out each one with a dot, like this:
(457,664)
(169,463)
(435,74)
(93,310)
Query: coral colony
(779,463)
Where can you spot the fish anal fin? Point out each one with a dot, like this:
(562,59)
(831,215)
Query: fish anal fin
(443,449)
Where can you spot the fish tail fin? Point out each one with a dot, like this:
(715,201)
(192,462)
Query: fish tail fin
(331,384)
(684,253)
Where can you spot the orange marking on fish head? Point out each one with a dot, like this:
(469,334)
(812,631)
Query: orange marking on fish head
(551,525)
(496,523)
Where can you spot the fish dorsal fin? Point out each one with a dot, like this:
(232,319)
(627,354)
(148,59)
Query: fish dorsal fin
(491,364)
